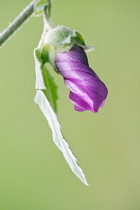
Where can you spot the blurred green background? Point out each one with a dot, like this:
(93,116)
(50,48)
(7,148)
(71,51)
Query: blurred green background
(33,172)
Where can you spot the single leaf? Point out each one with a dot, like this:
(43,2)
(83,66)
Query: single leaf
(39,6)
(47,10)
(44,80)
(58,139)
(51,88)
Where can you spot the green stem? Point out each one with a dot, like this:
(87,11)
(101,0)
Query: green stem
(46,16)
(15,25)
(48,25)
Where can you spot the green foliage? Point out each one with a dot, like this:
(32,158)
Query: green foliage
(51,88)
(45,54)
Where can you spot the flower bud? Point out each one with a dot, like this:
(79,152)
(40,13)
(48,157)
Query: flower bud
(64,49)
(87,91)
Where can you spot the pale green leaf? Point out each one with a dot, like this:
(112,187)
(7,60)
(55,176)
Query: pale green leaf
(58,139)
(38,70)
(39,6)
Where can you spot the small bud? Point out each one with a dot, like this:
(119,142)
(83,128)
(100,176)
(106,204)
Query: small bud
(63,36)
(59,36)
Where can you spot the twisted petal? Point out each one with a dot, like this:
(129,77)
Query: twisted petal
(87,91)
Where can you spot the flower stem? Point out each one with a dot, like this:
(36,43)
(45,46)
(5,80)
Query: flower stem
(48,25)
(15,25)
(46,16)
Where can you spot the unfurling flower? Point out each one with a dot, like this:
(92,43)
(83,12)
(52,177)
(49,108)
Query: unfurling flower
(87,91)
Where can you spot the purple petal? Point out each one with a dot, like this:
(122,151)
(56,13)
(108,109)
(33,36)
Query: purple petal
(88,92)
(79,104)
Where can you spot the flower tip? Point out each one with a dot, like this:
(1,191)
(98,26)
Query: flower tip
(95,110)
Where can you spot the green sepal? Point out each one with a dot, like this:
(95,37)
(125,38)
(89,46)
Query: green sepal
(80,41)
(59,36)
(63,36)
(51,91)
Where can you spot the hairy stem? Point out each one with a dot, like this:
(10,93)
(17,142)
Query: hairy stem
(15,25)
(48,25)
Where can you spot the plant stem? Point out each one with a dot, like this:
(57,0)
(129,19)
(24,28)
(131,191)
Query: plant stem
(46,17)
(15,25)
(48,25)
